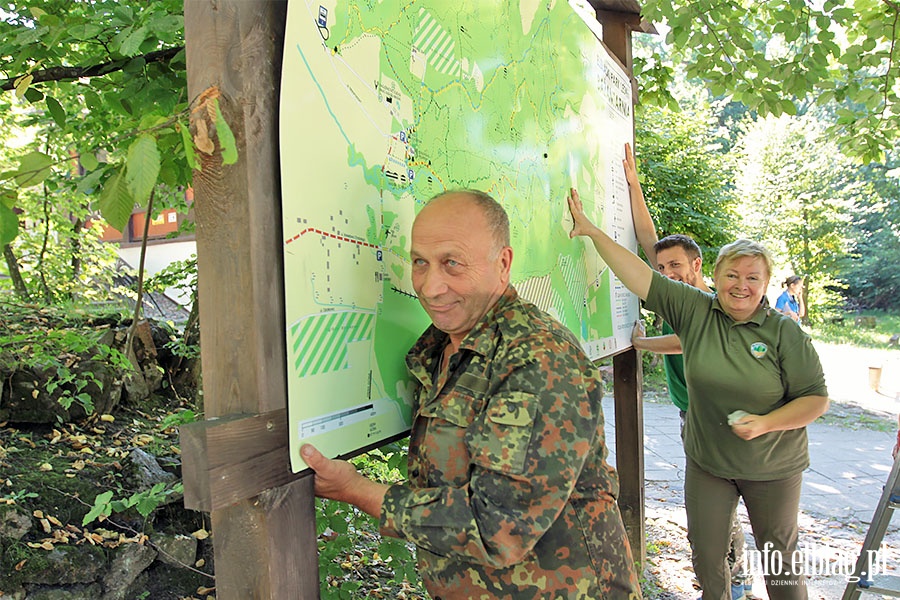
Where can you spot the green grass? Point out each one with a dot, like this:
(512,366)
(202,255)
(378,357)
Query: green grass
(868,329)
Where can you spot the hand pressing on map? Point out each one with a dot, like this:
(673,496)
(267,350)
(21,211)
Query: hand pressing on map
(339,480)
(630,166)
(583,225)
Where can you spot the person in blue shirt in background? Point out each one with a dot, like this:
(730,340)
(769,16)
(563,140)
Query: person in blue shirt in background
(790,302)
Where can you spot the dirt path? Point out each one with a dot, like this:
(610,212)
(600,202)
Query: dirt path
(833,544)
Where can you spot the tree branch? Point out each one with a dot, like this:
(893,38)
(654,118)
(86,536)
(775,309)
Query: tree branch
(887,74)
(69,73)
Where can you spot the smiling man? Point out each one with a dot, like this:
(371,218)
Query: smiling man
(509,492)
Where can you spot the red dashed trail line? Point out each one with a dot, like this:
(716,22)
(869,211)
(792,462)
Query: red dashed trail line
(331,235)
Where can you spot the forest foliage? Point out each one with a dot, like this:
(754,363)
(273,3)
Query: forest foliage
(98,122)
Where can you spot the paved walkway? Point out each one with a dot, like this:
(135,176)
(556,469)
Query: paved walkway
(841,488)
(844,481)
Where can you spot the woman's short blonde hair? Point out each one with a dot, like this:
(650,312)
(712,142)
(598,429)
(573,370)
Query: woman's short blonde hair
(741,248)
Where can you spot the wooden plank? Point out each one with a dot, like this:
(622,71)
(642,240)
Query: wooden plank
(629,405)
(631,7)
(274,570)
(234,51)
(627,376)
(233,458)
(238,207)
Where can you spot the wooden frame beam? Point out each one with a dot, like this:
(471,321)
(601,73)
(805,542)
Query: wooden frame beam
(264,541)
(627,376)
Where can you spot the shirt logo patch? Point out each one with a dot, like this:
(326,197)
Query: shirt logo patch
(758,349)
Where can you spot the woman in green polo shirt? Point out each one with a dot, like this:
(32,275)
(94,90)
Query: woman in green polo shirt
(755,382)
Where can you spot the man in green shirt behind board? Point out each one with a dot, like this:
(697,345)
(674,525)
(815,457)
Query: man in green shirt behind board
(678,257)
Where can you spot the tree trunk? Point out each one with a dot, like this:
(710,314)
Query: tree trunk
(12,263)
(77,228)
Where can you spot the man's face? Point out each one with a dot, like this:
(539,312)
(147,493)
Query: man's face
(458,270)
(675,264)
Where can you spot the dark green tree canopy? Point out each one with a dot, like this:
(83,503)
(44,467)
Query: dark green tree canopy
(783,56)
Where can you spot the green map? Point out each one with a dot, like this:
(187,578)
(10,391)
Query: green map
(385,104)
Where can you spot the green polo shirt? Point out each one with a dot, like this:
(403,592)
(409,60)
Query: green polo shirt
(756,365)
(674,364)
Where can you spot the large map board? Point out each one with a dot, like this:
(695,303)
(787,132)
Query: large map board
(385,104)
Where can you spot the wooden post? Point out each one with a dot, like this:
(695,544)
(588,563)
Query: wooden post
(264,527)
(627,376)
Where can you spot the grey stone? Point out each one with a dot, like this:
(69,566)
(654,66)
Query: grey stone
(147,470)
(71,564)
(13,524)
(176,550)
(129,562)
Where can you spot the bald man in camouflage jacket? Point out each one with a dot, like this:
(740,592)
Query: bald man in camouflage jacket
(509,493)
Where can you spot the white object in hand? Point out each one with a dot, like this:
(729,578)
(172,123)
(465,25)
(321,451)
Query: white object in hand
(737,416)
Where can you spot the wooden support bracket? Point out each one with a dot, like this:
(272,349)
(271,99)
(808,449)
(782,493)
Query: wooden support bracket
(234,458)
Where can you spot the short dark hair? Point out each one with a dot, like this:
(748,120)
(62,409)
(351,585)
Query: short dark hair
(494,213)
(685,242)
(791,280)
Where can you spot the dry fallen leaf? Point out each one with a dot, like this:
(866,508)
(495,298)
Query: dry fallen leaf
(45,467)
(107,418)
(20,564)
(38,514)
(45,525)
(201,534)
(201,138)
(142,439)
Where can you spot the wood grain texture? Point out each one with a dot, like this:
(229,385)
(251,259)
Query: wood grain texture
(627,376)
(263,519)
(234,458)
(630,447)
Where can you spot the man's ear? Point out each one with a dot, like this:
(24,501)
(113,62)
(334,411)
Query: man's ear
(504,260)
(698,265)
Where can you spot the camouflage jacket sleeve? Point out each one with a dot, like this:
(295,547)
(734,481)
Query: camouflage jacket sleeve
(500,465)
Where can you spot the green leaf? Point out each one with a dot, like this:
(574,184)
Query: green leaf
(116,202)
(101,508)
(189,153)
(89,182)
(142,169)
(56,111)
(34,96)
(226,138)
(34,168)
(92,100)
(88,160)
(9,225)
(132,42)
(8,196)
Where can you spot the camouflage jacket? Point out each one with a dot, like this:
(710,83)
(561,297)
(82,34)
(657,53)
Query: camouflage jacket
(509,492)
